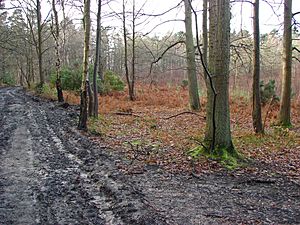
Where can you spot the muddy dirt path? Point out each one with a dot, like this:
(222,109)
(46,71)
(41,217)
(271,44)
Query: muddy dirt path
(52,174)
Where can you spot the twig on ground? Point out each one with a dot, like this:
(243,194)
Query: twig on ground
(126,114)
(186,112)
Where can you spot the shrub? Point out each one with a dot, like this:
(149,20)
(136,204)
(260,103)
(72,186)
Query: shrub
(184,84)
(112,82)
(268,91)
(7,79)
(70,79)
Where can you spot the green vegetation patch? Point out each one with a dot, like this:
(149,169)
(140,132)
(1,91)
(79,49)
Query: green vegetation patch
(226,158)
(98,126)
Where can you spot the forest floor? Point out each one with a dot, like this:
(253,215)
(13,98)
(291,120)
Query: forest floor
(159,129)
(133,167)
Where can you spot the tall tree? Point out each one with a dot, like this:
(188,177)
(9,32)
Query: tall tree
(219,56)
(190,56)
(82,125)
(256,99)
(131,94)
(55,33)
(130,90)
(40,42)
(204,35)
(286,89)
(97,60)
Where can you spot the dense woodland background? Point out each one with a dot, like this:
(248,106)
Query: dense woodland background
(19,60)
(46,50)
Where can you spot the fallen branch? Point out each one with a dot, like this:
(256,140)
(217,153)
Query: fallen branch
(125,114)
(258,181)
(186,112)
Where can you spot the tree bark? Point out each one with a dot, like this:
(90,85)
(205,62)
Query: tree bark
(90,99)
(55,33)
(286,89)
(256,99)
(219,56)
(132,95)
(205,37)
(82,125)
(190,57)
(130,89)
(40,55)
(64,27)
(97,59)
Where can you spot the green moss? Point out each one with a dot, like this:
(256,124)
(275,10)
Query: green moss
(229,158)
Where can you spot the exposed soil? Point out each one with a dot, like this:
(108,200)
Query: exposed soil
(52,174)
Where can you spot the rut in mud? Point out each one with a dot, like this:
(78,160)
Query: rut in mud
(52,174)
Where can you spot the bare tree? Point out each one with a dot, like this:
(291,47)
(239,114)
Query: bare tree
(286,90)
(82,125)
(256,100)
(219,56)
(204,34)
(39,43)
(128,78)
(97,59)
(55,33)
(190,56)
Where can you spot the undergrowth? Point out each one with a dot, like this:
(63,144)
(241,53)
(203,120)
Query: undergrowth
(228,160)
(98,126)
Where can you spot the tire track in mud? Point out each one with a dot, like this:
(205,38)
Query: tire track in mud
(70,181)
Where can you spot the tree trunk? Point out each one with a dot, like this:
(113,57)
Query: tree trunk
(82,125)
(219,56)
(286,89)
(64,27)
(90,99)
(190,57)
(55,33)
(256,100)
(130,91)
(97,59)
(204,37)
(40,55)
(132,95)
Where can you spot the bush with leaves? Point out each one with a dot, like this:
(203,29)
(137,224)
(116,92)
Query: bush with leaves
(7,79)
(268,92)
(184,84)
(111,82)
(70,78)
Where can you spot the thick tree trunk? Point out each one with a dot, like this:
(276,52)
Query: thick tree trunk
(97,59)
(190,57)
(82,125)
(55,32)
(219,56)
(286,89)
(256,100)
